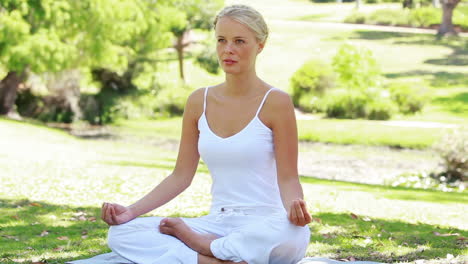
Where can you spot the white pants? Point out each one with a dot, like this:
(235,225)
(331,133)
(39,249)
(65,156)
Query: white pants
(253,238)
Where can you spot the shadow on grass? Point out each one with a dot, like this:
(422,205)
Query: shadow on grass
(381,35)
(28,231)
(383,240)
(439,79)
(360,237)
(459,46)
(396,193)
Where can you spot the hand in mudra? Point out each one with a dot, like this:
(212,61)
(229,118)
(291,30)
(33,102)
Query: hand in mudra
(298,214)
(115,214)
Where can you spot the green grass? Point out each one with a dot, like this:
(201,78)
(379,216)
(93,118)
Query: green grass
(367,132)
(53,184)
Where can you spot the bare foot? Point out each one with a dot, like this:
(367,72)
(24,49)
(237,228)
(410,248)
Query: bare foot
(210,260)
(178,228)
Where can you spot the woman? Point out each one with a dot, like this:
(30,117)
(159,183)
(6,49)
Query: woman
(245,131)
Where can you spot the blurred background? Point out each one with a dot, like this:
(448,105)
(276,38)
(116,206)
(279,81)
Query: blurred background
(92,93)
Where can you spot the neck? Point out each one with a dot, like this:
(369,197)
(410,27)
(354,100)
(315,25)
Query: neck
(241,84)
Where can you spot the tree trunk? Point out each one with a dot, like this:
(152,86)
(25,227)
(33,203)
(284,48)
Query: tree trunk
(446,27)
(408,4)
(8,91)
(180,54)
(358,4)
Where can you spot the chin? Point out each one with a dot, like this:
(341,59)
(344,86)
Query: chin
(230,71)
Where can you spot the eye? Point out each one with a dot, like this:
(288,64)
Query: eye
(240,41)
(221,40)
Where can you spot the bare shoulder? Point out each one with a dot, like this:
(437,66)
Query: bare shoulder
(279,99)
(278,106)
(194,104)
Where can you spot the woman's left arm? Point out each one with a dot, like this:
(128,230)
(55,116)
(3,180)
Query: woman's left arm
(284,127)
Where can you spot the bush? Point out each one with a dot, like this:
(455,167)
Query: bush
(388,17)
(380,109)
(208,59)
(460,16)
(356,67)
(346,104)
(424,16)
(356,18)
(410,99)
(49,108)
(453,149)
(311,81)
(163,100)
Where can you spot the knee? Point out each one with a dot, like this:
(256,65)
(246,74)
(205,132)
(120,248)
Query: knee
(114,237)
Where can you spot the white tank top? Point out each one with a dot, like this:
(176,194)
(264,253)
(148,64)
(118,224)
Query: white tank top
(242,166)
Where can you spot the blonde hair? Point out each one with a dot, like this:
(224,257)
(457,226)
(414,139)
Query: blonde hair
(248,16)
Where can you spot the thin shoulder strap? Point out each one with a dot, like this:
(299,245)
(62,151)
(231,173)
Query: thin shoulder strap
(204,100)
(263,101)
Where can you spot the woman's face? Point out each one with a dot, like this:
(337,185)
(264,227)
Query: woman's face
(237,47)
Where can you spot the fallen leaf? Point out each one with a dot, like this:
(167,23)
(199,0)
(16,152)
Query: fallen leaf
(11,237)
(44,233)
(15,217)
(60,248)
(85,232)
(36,204)
(80,213)
(318,220)
(82,218)
(92,219)
(62,238)
(84,237)
(354,216)
(30,248)
(446,235)
(461,238)
(367,219)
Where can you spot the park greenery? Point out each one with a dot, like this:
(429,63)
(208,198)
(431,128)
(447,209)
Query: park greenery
(127,67)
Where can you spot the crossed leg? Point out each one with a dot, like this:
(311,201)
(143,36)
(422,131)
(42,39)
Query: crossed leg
(198,242)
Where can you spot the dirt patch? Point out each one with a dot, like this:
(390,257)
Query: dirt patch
(363,164)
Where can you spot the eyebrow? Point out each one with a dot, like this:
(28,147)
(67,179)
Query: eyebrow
(237,37)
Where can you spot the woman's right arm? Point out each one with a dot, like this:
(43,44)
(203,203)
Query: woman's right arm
(181,177)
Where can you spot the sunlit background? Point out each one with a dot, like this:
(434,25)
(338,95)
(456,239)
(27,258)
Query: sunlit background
(92,92)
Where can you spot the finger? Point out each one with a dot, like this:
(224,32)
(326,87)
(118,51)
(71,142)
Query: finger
(290,213)
(113,216)
(108,217)
(299,213)
(294,213)
(104,212)
(307,216)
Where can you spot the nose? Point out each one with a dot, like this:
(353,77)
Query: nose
(228,48)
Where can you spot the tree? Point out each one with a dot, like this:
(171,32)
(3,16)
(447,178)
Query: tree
(199,14)
(55,36)
(446,27)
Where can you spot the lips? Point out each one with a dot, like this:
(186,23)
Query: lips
(229,61)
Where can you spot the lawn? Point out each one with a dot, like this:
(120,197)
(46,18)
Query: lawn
(53,185)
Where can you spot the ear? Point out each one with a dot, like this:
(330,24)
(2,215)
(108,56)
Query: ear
(260,47)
